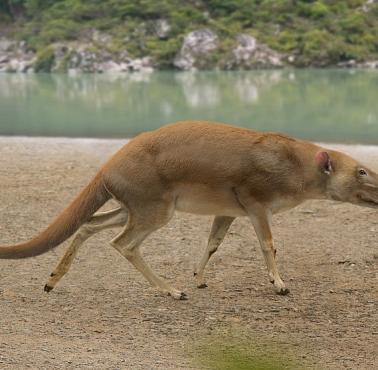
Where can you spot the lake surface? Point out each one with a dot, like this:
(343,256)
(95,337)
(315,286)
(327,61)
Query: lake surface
(321,105)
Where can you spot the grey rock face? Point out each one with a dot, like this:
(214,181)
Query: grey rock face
(250,54)
(76,58)
(7,45)
(100,37)
(200,50)
(73,57)
(15,56)
(196,49)
(368,4)
(370,64)
(348,64)
(162,28)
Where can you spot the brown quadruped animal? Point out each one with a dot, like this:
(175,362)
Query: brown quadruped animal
(202,168)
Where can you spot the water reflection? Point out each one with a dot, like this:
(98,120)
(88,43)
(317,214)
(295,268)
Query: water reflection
(327,105)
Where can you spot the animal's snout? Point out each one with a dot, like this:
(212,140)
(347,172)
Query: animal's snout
(368,198)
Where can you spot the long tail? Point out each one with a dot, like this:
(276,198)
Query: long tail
(91,198)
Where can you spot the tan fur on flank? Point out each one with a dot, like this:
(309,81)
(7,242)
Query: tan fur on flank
(202,168)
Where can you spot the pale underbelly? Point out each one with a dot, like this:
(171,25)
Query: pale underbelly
(201,200)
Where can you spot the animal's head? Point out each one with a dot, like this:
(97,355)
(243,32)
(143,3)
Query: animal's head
(347,180)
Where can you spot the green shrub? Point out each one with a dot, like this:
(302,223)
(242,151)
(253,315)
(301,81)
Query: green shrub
(353,23)
(45,60)
(318,48)
(318,9)
(286,41)
(58,30)
(319,32)
(164,51)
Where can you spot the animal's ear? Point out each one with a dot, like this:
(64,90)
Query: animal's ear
(323,161)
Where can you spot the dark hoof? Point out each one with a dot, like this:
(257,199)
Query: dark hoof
(202,286)
(180,296)
(283,291)
(48,288)
(183,296)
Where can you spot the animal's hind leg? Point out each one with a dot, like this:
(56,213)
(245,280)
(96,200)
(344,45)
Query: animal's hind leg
(99,221)
(138,227)
(219,229)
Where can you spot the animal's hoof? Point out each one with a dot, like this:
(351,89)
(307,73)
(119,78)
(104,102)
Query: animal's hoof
(283,291)
(183,296)
(202,286)
(48,288)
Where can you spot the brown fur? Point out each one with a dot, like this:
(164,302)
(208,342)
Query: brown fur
(92,197)
(202,168)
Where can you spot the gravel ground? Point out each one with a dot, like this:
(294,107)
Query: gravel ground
(103,315)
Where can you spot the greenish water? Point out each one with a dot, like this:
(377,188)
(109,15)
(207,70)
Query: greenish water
(322,105)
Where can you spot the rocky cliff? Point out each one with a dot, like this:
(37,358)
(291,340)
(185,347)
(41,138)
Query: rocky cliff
(124,35)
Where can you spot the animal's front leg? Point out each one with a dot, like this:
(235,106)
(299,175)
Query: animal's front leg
(262,227)
(260,218)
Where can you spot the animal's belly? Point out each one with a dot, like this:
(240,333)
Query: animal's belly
(200,199)
(283,204)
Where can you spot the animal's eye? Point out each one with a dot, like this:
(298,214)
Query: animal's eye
(362,172)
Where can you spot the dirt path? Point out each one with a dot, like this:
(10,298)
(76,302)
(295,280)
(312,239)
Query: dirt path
(103,315)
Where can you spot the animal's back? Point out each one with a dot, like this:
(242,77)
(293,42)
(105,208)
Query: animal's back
(197,160)
(197,148)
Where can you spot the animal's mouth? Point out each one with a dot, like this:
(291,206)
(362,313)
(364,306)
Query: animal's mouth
(365,201)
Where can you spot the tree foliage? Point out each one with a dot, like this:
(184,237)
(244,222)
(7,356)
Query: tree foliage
(328,31)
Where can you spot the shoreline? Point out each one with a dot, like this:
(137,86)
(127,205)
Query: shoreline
(365,66)
(104,148)
(358,147)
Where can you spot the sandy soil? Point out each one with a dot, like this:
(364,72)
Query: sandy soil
(103,315)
